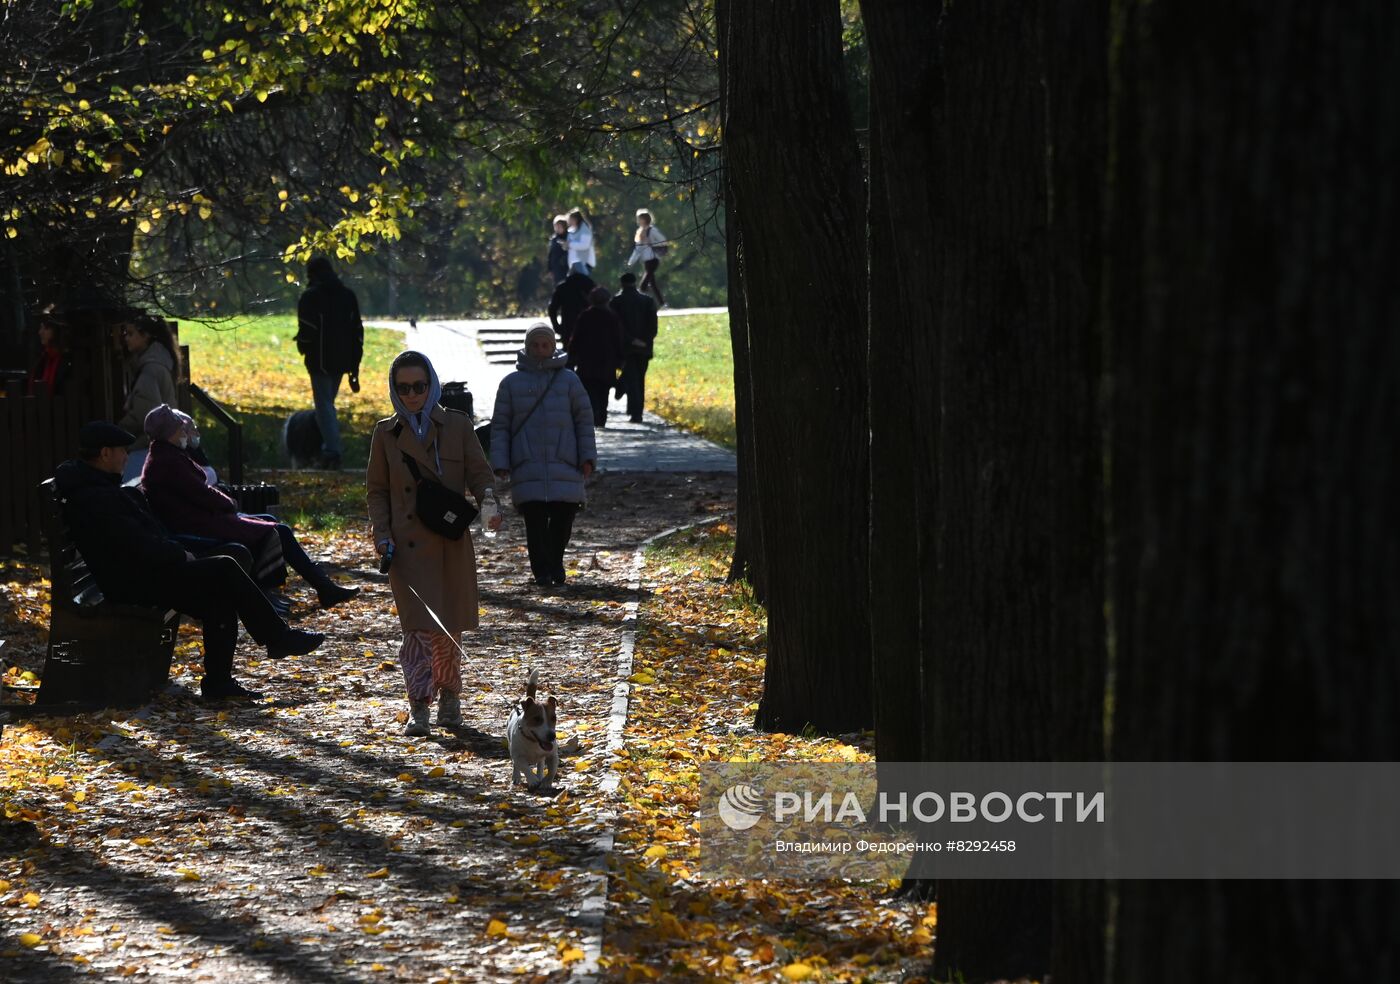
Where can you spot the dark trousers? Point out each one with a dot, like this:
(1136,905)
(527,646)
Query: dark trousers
(548,526)
(649,280)
(633,383)
(216,592)
(597,390)
(294,555)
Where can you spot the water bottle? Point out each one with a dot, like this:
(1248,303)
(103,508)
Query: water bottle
(490,509)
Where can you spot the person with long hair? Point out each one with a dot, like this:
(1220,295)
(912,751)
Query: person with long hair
(54,365)
(433,577)
(649,246)
(152,366)
(582,258)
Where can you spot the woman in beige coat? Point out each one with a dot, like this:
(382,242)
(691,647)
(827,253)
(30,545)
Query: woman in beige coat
(433,578)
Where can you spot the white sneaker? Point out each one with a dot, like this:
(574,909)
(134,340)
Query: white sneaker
(419,720)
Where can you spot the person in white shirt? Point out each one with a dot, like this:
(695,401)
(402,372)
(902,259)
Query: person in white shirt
(649,248)
(582,259)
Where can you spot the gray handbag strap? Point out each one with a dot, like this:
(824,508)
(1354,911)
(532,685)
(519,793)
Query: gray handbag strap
(545,392)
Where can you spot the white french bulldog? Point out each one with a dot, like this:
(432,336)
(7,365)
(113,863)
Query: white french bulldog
(534,753)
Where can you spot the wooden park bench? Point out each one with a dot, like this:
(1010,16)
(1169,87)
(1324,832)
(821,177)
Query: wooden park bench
(100,652)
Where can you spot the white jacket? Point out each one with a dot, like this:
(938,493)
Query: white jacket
(643,251)
(581,245)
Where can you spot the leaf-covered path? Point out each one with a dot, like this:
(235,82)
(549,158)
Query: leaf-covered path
(304,838)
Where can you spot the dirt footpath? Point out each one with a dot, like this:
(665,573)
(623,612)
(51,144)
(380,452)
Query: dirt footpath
(304,838)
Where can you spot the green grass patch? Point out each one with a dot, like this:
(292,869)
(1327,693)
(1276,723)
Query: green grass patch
(691,378)
(704,553)
(251,366)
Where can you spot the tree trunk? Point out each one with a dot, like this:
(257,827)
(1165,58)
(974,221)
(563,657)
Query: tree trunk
(903,368)
(1254,476)
(795,174)
(747,564)
(987,368)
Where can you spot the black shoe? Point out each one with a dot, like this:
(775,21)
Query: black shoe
(636,420)
(330,462)
(230,689)
(333,594)
(617,392)
(294,642)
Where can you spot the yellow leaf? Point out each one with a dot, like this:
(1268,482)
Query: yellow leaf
(375,930)
(641,678)
(572,955)
(655,851)
(799,972)
(381,873)
(188,874)
(30,940)
(32,900)
(436,772)
(144,225)
(495,928)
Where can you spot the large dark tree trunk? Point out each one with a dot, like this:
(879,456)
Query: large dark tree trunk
(903,367)
(748,561)
(1254,475)
(795,176)
(983,359)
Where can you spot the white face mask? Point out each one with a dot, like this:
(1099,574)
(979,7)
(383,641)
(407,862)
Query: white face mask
(181,441)
(194,439)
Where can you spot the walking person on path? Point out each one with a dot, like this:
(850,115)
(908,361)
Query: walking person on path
(542,442)
(595,352)
(582,258)
(558,261)
(650,246)
(331,337)
(432,576)
(153,362)
(637,312)
(568,302)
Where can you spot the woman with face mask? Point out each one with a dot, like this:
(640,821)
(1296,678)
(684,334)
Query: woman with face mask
(433,577)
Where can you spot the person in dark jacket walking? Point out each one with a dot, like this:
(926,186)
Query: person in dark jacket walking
(559,250)
(568,302)
(595,352)
(637,312)
(331,337)
(135,562)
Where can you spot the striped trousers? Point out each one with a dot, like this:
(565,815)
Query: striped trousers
(430,663)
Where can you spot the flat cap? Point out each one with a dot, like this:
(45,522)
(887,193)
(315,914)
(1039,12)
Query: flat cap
(98,434)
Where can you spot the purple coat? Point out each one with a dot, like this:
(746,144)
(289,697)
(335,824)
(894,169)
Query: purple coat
(186,503)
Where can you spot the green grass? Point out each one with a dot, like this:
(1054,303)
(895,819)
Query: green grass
(691,378)
(251,366)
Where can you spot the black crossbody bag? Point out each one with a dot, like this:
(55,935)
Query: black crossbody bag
(446,513)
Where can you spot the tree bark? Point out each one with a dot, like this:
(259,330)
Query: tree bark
(988,368)
(1254,477)
(795,173)
(748,561)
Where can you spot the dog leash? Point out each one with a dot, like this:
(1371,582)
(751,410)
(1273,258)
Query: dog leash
(437,621)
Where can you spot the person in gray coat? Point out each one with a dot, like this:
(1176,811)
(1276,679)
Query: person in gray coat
(542,442)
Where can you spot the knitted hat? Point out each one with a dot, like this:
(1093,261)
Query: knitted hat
(164,423)
(539,329)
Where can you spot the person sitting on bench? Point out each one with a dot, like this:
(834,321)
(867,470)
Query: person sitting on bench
(134,562)
(179,494)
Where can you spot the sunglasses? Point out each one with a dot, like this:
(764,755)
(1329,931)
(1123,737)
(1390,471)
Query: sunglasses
(403,389)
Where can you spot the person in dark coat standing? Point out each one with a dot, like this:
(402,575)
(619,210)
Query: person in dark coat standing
(134,562)
(559,250)
(178,492)
(50,373)
(331,337)
(595,351)
(569,300)
(637,312)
